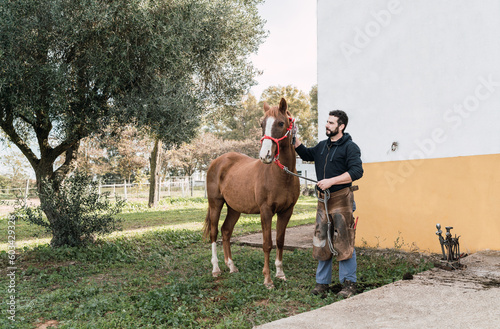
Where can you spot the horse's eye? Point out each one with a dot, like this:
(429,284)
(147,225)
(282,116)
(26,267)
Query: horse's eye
(281,124)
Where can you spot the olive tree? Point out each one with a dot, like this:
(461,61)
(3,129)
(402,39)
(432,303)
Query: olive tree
(71,68)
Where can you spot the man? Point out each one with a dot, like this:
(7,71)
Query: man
(338,163)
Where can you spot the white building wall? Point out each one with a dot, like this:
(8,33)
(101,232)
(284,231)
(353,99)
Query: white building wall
(306,170)
(423,74)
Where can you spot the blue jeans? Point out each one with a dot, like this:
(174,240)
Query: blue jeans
(347,270)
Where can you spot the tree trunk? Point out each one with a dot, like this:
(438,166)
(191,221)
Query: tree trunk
(45,174)
(155,165)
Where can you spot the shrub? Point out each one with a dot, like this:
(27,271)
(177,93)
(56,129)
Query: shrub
(75,213)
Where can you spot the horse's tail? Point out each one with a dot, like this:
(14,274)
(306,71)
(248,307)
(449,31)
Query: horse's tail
(206,226)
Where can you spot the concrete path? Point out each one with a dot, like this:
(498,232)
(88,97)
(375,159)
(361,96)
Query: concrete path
(466,298)
(297,237)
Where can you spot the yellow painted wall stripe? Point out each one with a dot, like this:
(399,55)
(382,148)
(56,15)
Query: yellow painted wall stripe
(401,202)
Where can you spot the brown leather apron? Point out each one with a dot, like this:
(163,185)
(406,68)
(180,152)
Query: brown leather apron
(342,226)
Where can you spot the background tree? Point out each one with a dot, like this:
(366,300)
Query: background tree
(299,105)
(16,167)
(127,152)
(92,157)
(238,123)
(199,153)
(5,183)
(313,99)
(70,69)
(209,147)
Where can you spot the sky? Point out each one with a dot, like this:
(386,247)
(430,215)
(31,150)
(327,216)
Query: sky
(288,55)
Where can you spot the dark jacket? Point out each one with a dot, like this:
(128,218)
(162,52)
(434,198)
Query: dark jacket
(334,158)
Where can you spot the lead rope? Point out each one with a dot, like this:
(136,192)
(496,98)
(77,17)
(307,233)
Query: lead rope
(324,200)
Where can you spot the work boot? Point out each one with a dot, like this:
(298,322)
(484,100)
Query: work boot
(320,289)
(348,289)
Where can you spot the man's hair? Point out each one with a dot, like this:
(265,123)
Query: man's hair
(341,117)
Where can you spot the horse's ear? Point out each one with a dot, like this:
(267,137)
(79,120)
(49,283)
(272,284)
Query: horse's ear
(283,106)
(266,107)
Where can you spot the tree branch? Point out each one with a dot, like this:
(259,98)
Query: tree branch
(25,119)
(8,127)
(69,164)
(64,147)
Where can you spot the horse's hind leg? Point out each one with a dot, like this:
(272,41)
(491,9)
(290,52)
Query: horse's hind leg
(214,209)
(227,230)
(281,223)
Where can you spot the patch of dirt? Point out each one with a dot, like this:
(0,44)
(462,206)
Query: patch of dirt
(263,302)
(218,299)
(48,324)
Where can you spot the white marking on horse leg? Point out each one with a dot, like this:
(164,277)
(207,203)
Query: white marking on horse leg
(267,144)
(318,243)
(279,270)
(215,261)
(232,267)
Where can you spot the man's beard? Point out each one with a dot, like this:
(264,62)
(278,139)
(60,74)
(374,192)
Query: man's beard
(330,133)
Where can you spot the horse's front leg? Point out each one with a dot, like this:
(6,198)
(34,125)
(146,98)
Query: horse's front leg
(212,221)
(266,217)
(281,223)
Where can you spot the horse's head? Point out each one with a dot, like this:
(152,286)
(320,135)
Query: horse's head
(276,126)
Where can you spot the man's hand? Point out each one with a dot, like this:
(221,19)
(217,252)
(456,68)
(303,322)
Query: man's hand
(297,142)
(325,183)
(345,178)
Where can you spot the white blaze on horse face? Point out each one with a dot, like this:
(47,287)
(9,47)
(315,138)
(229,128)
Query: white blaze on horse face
(266,149)
(215,261)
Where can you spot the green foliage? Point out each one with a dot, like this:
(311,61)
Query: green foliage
(163,279)
(76,211)
(165,203)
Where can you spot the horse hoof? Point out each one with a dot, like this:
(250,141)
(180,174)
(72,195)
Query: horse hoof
(282,278)
(215,274)
(235,270)
(269,285)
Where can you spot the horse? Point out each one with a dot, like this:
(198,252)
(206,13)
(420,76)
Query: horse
(252,186)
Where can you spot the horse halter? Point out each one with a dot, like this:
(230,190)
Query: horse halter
(277,140)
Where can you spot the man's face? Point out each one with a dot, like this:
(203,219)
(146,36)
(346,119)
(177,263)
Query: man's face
(332,126)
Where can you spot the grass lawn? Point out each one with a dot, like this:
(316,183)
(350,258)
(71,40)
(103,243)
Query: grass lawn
(156,273)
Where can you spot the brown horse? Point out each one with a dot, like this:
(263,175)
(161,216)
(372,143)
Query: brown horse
(250,186)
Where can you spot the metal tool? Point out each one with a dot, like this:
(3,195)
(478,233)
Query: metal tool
(451,245)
